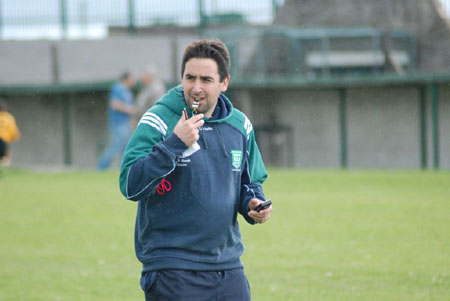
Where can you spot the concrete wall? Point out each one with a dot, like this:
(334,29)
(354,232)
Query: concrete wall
(312,117)
(89,128)
(41,122)
(25,62)
(383,122)
(46,62)
(383,126)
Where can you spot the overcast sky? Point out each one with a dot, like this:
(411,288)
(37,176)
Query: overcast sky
(28,18)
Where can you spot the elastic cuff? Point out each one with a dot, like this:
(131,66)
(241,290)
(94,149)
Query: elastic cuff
(175,145)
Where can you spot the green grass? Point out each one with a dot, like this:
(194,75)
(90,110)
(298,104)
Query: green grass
(333,236)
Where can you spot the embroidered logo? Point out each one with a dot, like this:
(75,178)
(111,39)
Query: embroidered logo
(236,156)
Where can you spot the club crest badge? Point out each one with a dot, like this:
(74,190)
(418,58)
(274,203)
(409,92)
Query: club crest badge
(236,156)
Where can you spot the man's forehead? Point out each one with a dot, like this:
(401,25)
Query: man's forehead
(201,67)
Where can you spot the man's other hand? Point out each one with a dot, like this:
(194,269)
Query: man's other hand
(261,216)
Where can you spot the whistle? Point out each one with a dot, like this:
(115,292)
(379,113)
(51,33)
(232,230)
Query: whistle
(195,107)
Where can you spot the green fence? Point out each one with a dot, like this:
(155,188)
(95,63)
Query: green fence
(26,19)
(283,52)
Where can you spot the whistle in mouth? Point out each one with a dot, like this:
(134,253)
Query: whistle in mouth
(195,107)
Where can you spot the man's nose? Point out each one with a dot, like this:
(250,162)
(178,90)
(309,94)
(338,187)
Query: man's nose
(197,87)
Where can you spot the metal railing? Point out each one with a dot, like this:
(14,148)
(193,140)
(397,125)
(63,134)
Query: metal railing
(56,19)
(281,52)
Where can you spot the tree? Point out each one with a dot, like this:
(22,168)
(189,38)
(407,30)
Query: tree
(425,19)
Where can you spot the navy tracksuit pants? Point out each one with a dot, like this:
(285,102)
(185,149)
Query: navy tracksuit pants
(196,285)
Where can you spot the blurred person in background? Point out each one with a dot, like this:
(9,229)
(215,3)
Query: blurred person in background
(9,132)
(193,165)
(152,90)
(120,110)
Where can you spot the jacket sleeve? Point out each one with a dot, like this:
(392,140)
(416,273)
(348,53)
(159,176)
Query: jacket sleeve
(253,176)
(147,159)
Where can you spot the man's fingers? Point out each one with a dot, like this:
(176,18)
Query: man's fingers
(261,216)
(194,126)
(197,117)
(197,120)
(199,123)
(253,203)
(257,217)
(262,213)
(188,129)
(182,119)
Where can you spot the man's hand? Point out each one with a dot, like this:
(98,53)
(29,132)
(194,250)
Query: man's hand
(261,216)
(187,130)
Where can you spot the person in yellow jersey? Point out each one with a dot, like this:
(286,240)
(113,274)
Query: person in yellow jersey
(9,132)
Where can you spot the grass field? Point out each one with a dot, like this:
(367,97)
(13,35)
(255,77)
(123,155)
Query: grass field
(334,235)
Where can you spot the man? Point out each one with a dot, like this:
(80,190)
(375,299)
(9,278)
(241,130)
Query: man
(153,88)
(120,109)
(192,174)
(9,132)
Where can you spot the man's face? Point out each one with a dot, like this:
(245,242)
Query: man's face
(201,83)
(129,82)
(147,79)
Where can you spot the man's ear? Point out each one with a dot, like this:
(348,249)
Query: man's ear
(224,84)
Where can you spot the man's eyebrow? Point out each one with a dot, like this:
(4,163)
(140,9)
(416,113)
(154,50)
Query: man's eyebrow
(187,75)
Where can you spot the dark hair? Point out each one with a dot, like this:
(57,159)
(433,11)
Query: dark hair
(209,49)
(125,75)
